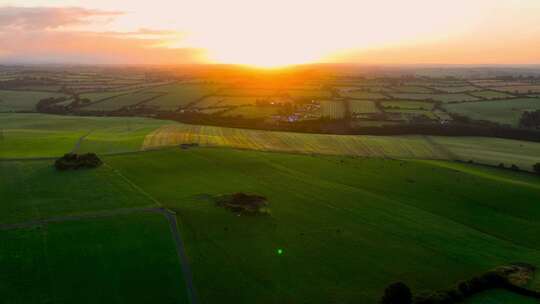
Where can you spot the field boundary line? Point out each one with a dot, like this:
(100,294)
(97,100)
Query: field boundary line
(78,217)
(132,184)
(169,215)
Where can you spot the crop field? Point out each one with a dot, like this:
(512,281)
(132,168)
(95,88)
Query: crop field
(491,95)
(333,218)
(98,96)
(502,111)
(307,94)
(483,150)
(332,109)
(252,112)
(17,101)
(362,95)
(363,106)
(413,89)
(456,89)
(121,259)
(226,101)
(374,89)
(180,95)
(408,105)
(240,91)
(491,151)
(410,114)
(121,101)
(521,89)
(375,146)
(39,135)
(445,98)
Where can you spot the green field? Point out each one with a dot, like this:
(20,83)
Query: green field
(307,94)
(121,101)
(32,190)
(346,226)
(491,94)
(226,101)
(332,109)
(523,89)
(378,209)
(456,89)
(408,105)
(177,95)
(482,150)
(500,297)
(98,96)
(363,106)
(501,111)
(241,91)
(445,98)
(22,101)
(412,89)
(253,112)
(362,95)
(38,135)
(121,259)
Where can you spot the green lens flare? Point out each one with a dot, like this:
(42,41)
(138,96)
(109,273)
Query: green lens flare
(280,251)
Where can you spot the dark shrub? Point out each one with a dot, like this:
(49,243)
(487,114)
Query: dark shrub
(244,203)
(75,161)
(514,167)
(397,293)
(536,168)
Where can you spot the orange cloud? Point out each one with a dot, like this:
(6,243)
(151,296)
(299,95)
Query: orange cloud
(38,18)
(43,35)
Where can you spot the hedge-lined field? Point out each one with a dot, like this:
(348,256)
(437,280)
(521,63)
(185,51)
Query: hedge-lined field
(16,101)
(501,111)
(346,227)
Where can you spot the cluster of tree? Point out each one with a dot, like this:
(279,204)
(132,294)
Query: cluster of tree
(46,104)
(499,278)
(536,168)
(73,161)
(530,119)
(27,81)
(244,203)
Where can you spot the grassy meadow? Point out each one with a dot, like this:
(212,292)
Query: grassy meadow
(506,112)
(38,135)
(341,222)
(22,101)
(340,219)
(121,259)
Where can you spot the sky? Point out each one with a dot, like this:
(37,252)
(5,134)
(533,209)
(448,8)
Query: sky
(270,33)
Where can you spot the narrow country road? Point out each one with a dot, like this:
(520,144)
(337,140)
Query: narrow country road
(181,250)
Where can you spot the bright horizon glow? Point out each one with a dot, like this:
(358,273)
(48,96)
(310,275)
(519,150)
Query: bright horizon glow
(272,34)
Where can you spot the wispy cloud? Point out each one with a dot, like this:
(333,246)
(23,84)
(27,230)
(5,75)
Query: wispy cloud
(38,34)
(43,18)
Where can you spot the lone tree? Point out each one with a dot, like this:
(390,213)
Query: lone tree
(397,293)
(536,168)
